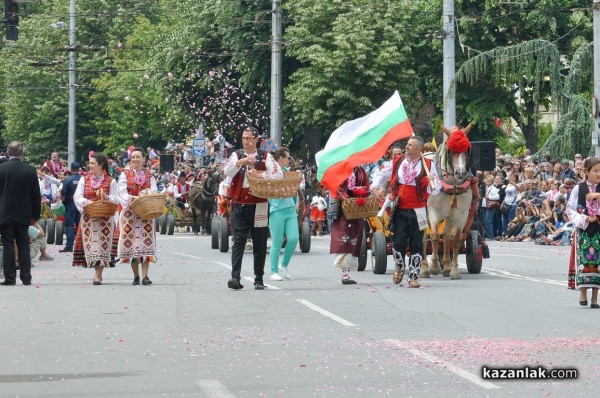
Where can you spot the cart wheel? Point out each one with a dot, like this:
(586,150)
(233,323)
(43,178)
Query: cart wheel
(163,224)
(42,223)
(170,224)
(362,257)
(379,253)
(60,231)
(304,237)
(214,232)
(473,257)
(51,230)
(223,235)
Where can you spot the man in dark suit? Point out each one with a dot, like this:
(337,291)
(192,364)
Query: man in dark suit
(20,206)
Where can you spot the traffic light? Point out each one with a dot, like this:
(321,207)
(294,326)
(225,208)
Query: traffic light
(11,19)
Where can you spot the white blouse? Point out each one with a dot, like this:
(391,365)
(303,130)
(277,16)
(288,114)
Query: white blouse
(81,201)
(273,170)
(123,193)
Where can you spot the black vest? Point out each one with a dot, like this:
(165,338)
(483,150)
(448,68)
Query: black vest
(594,227)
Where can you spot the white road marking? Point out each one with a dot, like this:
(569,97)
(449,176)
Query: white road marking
(214,389)
(249,279)
(222,264)
(510,275)
(187,255)
(179,237)
(444,364)
(325,312)
(515,255)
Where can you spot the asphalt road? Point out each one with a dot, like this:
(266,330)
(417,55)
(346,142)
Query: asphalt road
(187,335)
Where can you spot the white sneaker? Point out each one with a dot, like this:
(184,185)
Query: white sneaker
(276,277)
(284,271)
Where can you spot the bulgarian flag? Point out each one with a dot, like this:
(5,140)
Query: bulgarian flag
(362,141)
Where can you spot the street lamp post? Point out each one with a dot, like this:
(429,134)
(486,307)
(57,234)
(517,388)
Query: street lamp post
(72,85)
(276,73)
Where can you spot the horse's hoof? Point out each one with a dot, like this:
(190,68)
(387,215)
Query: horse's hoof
(446,273)
(435,271)
(424,274)
(454,276)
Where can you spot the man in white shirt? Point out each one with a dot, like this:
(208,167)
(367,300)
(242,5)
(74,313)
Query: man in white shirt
(249,213)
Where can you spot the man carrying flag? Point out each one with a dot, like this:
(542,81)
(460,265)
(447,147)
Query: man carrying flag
(355,143)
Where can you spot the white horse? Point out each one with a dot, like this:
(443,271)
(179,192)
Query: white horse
(451,205)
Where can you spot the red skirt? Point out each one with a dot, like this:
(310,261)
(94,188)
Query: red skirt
(316,214)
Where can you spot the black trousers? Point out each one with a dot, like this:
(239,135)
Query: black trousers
(72,217)
(407,234)
(243,223)
(180,203)
(12,234)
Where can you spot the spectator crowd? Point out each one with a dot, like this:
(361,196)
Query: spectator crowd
(523,199)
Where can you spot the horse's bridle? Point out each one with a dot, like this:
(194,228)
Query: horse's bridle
(445,167)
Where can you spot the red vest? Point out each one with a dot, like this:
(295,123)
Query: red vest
(242,195)
(183,190)
(134,189)
(91,193)
(411,196)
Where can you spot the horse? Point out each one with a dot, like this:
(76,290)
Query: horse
(201,199)
(452,204)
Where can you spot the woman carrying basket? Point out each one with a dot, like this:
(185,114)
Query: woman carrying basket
(283,220)
(137,241)
(94,236)
(346,235)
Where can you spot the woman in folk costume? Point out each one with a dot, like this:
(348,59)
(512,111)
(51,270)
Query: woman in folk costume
(346,235)
(137,241)
(583,210)
(317,213)
(95,235)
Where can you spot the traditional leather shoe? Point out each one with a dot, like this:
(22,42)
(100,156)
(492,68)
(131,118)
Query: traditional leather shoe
(348,281)
(414,283)
(259,285)
(136,281)
(27,283)
(7,283)
(234,284)
(146,281)
(398,275)
(65,251)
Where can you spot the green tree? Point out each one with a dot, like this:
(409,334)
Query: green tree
(353,55)
(531,44)
(36,66)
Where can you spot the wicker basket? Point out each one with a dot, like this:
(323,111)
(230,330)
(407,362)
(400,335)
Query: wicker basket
(101,208)
(353,211)
(149,207)
(284,188)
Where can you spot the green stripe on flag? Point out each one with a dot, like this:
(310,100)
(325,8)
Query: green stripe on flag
(362,142)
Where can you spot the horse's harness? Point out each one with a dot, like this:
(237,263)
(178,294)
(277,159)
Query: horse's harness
(447,169)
